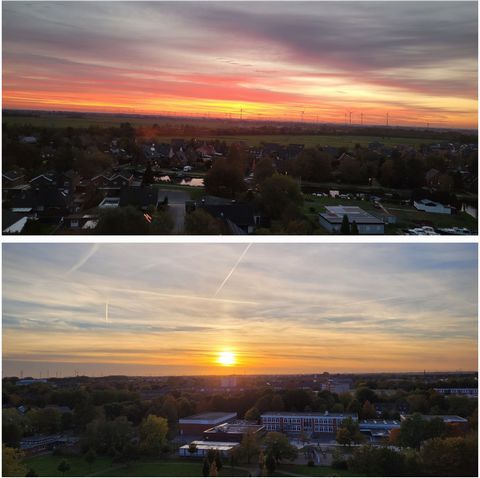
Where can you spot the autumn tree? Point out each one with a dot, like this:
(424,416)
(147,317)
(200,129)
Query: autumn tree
(12,462)
(249,447)
(252,414)
(224,179)
(279,194)
(263,170)
(153,432)
(200,222)
(349,432)
(277,445)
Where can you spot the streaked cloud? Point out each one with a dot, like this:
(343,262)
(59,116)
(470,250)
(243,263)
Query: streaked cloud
(417,60)
(285,307)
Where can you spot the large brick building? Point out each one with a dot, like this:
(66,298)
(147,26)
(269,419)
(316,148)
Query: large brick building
(292,423)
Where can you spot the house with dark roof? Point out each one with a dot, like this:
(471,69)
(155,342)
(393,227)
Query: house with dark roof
(140,197)
(13,222)
(44,200)
(11,179)
(239,218)
(111,184)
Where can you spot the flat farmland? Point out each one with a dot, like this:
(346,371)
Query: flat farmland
(108,121)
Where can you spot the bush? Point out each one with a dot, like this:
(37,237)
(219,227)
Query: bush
(310,463)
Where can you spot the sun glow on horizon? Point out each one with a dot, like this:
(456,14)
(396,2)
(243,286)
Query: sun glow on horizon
(226,358)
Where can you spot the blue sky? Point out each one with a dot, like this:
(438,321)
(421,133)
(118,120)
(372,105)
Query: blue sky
(285,308)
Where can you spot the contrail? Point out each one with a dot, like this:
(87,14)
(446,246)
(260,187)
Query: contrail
(242,255)
(182,296)
(84,258)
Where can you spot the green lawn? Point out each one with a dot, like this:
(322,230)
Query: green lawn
(46,465)
(305,470)
(308,140)
(170,469)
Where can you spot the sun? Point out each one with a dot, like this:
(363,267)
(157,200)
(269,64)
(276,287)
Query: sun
(226,359)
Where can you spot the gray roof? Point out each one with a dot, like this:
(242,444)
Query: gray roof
(334,215)
(309,414)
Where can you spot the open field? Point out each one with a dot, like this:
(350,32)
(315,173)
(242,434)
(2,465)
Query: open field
(347,141)
(46,465)
(304,470)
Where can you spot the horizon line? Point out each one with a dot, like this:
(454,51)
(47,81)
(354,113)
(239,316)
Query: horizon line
(207,116)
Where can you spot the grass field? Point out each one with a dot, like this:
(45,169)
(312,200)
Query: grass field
(407,217)
(47,465)
(55,121)
(305,470)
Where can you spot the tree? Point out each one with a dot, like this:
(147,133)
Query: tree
(63,467)
(263,170)
(455,456)
(200,222)
(270,464)
(312,165)
(224,179)
(11,433)
(206,467)
(354,229)
(349,170)
(364,393)
(12,462)
(252,414)
(110,436)
(277,403)
(415,429)
(148,176)
(90,457)
(368,411)
(277,445)
(349,432)
(249,447)
(46,420)
(279,194)
(213,469)
(218,461)
(153,432)
(345,227)
(377,461)
(121,221)
(192,448)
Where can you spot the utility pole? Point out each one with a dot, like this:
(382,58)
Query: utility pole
(350,114)
(387,117)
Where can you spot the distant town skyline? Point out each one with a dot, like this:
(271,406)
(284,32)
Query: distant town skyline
(191,309)
(304,61)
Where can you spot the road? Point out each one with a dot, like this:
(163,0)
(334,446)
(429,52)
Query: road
(176,204)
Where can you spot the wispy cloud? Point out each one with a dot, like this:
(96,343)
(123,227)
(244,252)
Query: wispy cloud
(418,59)
(286,307)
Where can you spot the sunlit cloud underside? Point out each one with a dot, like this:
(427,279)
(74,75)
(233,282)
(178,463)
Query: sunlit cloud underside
(274,60)
(284,308)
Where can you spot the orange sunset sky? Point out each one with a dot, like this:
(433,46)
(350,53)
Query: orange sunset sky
(415,60)
(224,308)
